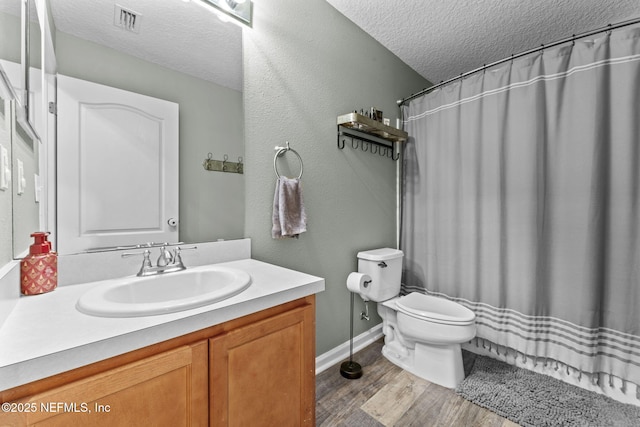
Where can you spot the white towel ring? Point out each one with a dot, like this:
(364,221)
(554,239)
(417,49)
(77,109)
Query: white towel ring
(280,152)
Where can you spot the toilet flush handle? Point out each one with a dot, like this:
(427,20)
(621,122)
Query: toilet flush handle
(382,264)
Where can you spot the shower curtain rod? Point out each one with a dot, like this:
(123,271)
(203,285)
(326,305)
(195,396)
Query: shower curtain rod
(609,27)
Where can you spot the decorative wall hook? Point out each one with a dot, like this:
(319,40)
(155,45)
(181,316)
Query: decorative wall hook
(223,165)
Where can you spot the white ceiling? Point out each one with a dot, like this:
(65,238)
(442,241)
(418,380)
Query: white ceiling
(441,39)
(183,36)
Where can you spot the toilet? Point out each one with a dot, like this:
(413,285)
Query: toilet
(422,333)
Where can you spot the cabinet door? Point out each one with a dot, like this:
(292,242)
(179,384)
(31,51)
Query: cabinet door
(169,389)
(263,374)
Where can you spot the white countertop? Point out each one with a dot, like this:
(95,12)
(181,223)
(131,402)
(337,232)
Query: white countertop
(45,334)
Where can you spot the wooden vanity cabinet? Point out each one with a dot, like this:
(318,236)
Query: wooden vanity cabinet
(169,389)
(257,370)
(263,374)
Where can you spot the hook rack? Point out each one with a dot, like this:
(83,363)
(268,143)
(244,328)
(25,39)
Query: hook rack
(355,126)
(223,165)
(366,144)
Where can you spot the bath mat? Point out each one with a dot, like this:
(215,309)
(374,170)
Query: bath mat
(536,400)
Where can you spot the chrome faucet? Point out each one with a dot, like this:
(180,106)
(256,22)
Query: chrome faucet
(167,261)
(165,257)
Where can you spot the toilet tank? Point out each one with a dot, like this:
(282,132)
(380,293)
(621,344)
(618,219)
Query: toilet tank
(384,266)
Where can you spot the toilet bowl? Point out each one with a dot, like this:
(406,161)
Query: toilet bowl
(447,321)
(433,329)
(422,333)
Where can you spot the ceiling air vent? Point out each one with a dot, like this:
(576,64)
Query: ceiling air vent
(127,19)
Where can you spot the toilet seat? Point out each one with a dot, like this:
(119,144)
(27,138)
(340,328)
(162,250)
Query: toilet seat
(434,309)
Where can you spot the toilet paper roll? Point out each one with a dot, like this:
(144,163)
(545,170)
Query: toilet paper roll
(358,283)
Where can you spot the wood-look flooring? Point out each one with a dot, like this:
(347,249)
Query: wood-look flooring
(386,395)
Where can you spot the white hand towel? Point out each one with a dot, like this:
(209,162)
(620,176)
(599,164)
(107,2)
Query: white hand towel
(289,216)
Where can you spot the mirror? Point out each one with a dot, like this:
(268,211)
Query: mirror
(9,50)
(19,165)
(19,47)
(25,151)
(177,51)
(180,52)
(6,106)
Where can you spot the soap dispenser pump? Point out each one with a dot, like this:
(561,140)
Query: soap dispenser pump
(39,269)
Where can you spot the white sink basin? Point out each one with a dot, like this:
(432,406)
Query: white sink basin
(164,293)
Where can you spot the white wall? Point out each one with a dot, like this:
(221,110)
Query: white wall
(305,64)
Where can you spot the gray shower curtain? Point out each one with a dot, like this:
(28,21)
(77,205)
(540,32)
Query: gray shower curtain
(522,202)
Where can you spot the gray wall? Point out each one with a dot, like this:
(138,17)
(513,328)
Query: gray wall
(211,120)
(10,40)
(305,64)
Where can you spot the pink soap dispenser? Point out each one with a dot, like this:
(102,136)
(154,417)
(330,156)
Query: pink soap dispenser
(39,269)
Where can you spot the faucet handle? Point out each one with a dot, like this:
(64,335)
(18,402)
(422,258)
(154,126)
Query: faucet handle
(177,257)
(179,249)
(146,261)
(146,255)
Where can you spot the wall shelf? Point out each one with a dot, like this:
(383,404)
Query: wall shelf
(369,126)
(361,128)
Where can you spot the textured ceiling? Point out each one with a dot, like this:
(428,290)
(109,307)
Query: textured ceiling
(438,39)
(183,36)
(442,39)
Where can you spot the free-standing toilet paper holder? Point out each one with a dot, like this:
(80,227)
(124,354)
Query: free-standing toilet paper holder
(350,369)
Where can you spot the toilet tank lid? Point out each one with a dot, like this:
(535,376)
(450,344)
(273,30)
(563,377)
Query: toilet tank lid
(383,254)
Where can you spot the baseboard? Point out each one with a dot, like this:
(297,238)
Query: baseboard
(341,352)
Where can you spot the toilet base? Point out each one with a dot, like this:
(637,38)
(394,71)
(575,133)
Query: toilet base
(439,364)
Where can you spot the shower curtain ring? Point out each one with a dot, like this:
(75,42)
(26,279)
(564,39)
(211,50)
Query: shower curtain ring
(374,151)
(362,147)
(382,153)
(354,146)
(339,143)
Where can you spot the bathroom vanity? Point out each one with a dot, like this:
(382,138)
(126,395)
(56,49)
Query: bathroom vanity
(247,360)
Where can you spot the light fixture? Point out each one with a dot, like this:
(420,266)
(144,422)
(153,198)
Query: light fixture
(240,10)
